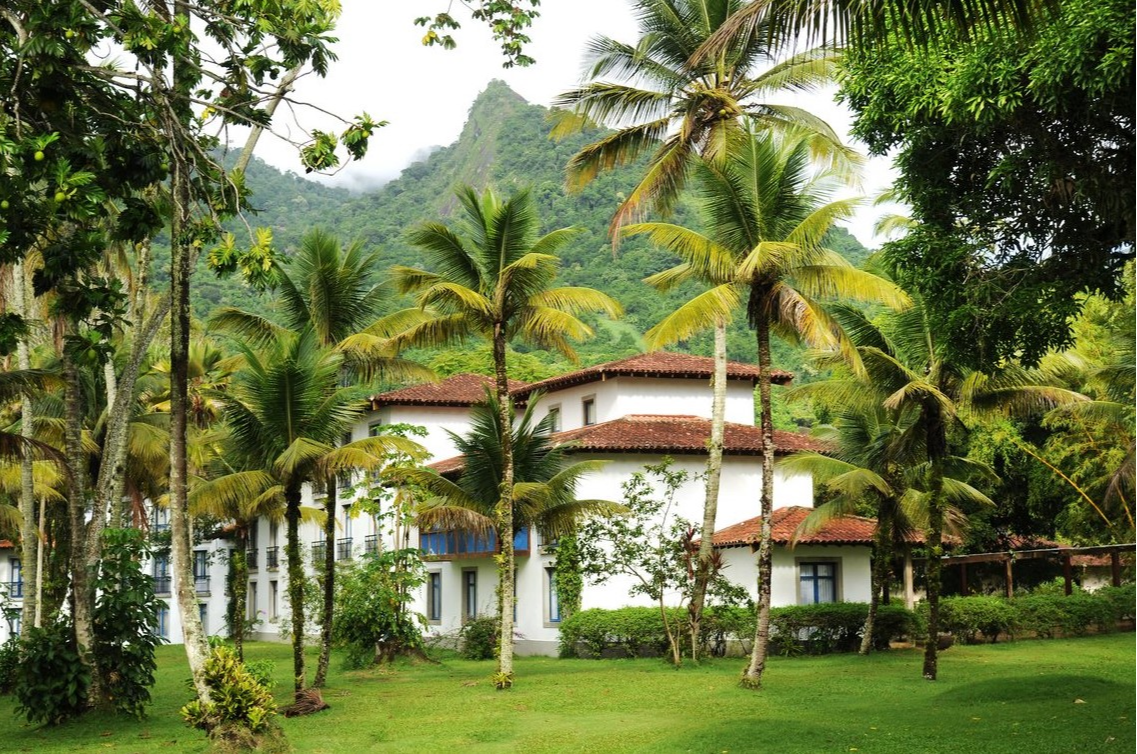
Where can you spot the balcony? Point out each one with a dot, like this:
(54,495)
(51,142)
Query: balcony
(15,589)
(343,549)
(201,584)
(272,558)
(251,558)
(453,545)
(318,552)
(162,584)
(371,544)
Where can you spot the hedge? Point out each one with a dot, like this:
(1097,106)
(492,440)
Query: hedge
(815,629)
(971,619)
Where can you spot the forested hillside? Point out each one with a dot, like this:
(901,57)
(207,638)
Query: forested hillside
(505,143)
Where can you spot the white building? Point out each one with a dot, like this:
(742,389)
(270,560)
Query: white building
(630,413)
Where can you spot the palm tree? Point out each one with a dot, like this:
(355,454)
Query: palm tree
(767,214)
(496,283)
(286,412)
(331,290)
(659,102)
(900,356)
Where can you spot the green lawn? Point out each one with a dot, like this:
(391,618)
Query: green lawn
(1073,695)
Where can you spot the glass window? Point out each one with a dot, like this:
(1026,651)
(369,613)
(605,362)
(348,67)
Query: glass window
(434,596)
(554,605)
(272,598)
(203,614)
(470,593)
(163,622)
(818,583)
(555,418)
(589,405)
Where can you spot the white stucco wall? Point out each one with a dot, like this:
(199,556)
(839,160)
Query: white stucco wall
(437,420)
(853,571)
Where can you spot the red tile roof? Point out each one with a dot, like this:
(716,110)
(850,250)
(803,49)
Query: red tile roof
(851,530)
(646,433)
(657,364)
(459,390)
(5,544)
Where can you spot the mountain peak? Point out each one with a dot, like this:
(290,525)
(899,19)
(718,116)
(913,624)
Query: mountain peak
(498,92)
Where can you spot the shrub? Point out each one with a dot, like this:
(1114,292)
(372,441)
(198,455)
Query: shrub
(967,617)
(374,621)
(1122,600)
(9,663)
(241,710)
(478,638)
(262,672)
(51,683)
(638,631)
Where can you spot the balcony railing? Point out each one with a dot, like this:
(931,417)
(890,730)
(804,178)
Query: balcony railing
(162,584)
(343,549)
(318,552)
(465,544)
(272,558)
(16,589)
(201,584)
(158,528)
(251,558)
(371,544)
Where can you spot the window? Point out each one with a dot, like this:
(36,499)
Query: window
(817,582)
(434,597)
(589,406)
(554,418)
(251,598)
(553,604)
(163,626)
(16,586)
(14,622)
(272,599)
(374,429)
(343,478)
(203,614)
(201,571)
(273,533)
(470,594)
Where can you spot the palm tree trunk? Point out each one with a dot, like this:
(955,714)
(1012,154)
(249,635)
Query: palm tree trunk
(937,450)
(181,536)
(240,589)
(82,591)
(503,514)
(29,539)
(329,581)
(714,475)
(880,574)
(295,582)
(752,677)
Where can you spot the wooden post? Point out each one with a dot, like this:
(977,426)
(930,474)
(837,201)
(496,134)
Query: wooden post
(963,579)
(1067,575)
(1115,568)
(909,581)
(1010,577)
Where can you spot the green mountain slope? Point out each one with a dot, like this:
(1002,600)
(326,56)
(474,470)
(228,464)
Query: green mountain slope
(504,144)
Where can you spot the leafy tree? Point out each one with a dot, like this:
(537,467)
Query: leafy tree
(663,103)
(496,283)
(767,216)
(1016,154)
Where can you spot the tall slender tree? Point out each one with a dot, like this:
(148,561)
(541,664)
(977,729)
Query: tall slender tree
(495,282)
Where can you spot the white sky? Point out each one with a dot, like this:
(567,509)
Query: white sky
(426,92)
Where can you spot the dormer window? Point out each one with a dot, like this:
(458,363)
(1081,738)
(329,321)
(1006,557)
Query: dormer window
(589,408)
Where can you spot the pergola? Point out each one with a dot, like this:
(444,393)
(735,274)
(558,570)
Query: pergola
(1064,554)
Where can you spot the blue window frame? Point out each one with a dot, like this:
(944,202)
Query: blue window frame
(164,622)
(16,585)
(817,583)
(203,615)
(434,596)
(470,594)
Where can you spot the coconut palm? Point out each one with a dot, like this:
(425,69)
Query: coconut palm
(660,103)
(332,290)
(767,211)
(495,282)
(286,411)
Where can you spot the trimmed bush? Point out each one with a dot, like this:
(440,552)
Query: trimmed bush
(966,618)
(816,629)
(1043,613)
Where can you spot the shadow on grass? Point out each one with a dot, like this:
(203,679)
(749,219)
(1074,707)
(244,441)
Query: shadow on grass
(1031,689)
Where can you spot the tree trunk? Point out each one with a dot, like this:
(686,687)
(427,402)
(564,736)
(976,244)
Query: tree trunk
(752,677)
(329,581)
(503,514)
(240,589)
(82,589)
(181,538)
(295,581)
(881,565)
(29,539)
(937,450)
(714,475)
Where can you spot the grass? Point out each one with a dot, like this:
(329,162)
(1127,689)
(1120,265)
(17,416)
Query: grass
(1037,696)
